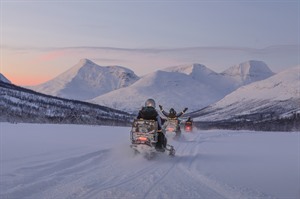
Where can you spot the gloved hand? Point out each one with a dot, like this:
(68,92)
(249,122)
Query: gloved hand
(160,107)
(185,109)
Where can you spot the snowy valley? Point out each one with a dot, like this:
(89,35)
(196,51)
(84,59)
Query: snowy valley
(91,162)
(66,148)
(245,96)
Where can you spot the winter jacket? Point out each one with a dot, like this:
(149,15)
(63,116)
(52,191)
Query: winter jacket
(172,116)
(149,113)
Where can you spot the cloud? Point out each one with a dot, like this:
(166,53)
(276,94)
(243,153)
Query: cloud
(51,55)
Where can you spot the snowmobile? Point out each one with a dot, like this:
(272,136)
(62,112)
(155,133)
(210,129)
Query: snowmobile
(188,126)
(144,137)
(172,126)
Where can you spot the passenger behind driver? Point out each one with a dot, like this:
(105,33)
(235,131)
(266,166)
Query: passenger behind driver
(172,113)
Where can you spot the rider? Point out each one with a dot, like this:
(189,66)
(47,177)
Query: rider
(189,120)
(172,114)
(188,123)
(148,112)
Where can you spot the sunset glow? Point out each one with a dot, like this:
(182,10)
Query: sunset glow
(42,39)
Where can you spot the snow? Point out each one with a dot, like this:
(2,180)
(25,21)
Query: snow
(194,86)
(176,86)
(248,72)
(4,79)
(282,86)
(87,80)
(280,91)
(74,161)
(170,89)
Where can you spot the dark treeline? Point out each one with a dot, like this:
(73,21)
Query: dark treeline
(18,104)
(277,124)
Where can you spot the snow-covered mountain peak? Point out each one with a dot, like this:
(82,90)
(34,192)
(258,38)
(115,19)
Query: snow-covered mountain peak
(158,79)
(87,80)
(275,95)
(85,62)
(4,79)
(170,89)
(190,69)
(249,71)
(282,86)
(200,73)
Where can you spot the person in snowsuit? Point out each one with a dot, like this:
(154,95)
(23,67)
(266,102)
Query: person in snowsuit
(188,124)
(173,115)
(189,120)
(148,112)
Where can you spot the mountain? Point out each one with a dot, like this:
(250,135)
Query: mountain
(169,89)
(87,80)
(4,79)
(275,97)
(194,86)
(218,82)
(230,79)
(248,72)
(18,104)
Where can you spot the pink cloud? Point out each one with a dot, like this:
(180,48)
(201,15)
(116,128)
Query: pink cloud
(49,56)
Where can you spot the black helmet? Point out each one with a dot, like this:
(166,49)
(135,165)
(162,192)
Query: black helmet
(172,111)
(150,102)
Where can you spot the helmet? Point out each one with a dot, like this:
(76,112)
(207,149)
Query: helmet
(150,102)
(172,111)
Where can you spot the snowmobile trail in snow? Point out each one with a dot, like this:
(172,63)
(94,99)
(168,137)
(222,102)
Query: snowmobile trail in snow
(102,165)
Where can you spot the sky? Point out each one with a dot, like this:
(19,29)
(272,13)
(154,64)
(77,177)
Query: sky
(41,39)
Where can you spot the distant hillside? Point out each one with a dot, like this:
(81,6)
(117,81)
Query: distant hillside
(18,104)
(273,103)
(4,79)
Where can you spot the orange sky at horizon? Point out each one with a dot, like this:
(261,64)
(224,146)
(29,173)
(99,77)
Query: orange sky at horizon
(28,67)
(28,80)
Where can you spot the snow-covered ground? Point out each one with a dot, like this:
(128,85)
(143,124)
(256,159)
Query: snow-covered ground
(71,161)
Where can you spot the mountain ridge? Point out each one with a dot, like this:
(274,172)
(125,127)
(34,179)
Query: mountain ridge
(276,95)
(87,80)
(194,86)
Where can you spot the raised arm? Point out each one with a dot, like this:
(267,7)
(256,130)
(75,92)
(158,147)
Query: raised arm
(163,112)
(181,113)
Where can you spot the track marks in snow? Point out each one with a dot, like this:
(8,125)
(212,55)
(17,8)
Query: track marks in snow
(207,186)
(36,179)
(116,173)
